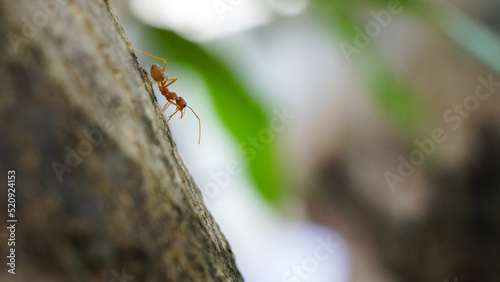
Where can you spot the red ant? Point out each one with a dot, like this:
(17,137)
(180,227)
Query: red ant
(158,74)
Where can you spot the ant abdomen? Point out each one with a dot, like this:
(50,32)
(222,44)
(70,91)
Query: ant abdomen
(157,73)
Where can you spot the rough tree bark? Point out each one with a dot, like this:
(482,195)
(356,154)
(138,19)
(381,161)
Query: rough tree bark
(101,193)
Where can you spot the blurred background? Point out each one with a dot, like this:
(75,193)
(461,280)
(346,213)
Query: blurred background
(341,140)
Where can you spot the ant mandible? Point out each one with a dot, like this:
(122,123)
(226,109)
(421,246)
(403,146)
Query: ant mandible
(158,74)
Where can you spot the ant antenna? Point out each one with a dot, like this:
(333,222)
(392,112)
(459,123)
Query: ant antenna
(199,123)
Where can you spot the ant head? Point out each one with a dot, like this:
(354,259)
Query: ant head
(157,73)
(181,103)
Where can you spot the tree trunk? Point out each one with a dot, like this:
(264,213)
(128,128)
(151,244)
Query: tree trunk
(101,193)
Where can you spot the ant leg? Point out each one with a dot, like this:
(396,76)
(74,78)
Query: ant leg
(172,115)
(164,108)
(162,83)
(164,61)
(172,80)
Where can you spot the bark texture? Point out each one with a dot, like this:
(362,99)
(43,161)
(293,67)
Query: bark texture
(101,193)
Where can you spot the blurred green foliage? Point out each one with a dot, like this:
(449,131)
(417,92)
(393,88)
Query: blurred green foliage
(397,98)
(245,118)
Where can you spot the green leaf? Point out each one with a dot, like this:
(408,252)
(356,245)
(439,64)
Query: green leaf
(242,116)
